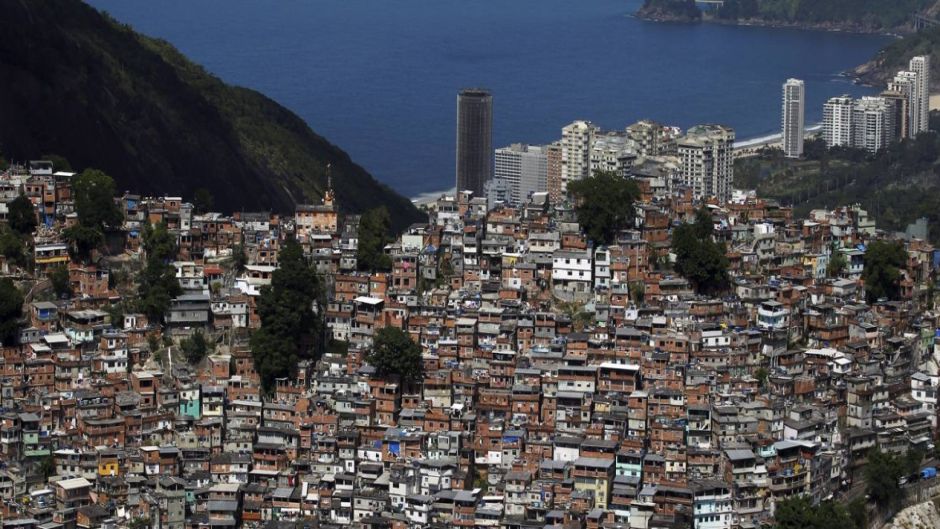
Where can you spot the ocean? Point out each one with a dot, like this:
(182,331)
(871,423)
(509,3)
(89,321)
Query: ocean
(379,78)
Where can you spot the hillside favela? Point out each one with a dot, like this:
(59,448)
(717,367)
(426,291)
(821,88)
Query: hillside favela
(213,317)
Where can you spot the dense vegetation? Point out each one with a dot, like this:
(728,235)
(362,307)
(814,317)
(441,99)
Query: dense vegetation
(798,512)
(863,15)
(897,55)
(604,205)
(11,306)
(78,84)
(679,10)
(897,185)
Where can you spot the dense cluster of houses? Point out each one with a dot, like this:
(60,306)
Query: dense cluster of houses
(565,385)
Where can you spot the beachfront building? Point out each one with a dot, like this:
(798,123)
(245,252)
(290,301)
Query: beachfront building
(474,140)
(837,121)
(900,92)
(920,95)
(523,168)
(576,141)
(612,151)
(792,118)
(707,161)
(872,124)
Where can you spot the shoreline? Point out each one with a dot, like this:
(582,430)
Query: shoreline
(758,22)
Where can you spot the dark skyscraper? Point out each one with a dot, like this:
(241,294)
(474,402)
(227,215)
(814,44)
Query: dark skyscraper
(474,140)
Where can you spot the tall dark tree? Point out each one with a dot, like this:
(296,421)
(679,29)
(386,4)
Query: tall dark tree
(374,234)
(11,309)
(61,283)
(699,258)
(22,216)
(882,274)
(395,354)
(883,470)
(196,347)
(12,247)
(290,328)
(203,200)
(604,205)
(59,163)
(94,200)
(157,284)
(798,512)
(83,239)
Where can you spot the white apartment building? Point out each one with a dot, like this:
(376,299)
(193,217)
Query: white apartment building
(612,151)
(792,118)
(572,271)
(872,124)
(576,141)
(903,87)
(706,156)
(524,168)
(837,121)
(920,95)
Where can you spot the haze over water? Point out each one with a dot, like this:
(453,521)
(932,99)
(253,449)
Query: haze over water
(379,78)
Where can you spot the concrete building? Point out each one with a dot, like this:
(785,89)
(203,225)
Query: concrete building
(837,121)
(576,141)
(900,90)
(653,139)
(612,151)
(872,124)
(524,168)
(920,95)
(794,102)
(474,140)
(707,161)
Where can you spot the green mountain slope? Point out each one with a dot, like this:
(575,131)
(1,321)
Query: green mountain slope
(897,55)
(78,84)
(897,185)
(853,15)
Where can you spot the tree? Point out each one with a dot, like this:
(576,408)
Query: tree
(11,309)
(239,259)
(761,375)
(61,283)
(374,228)
(21,216)
(59,163)
(157,284)
(94,200)
(394,353)
(604,205)
(798,512)
(882,274)
(12,247)
(290,329)
(83,240)
(116,315)
(699,258)
(196,347)
(837,263)
(203,200)
(883,470)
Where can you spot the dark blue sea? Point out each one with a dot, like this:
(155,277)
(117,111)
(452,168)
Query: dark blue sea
(379,78)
